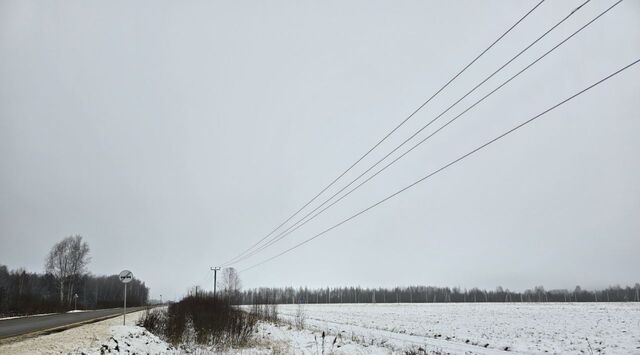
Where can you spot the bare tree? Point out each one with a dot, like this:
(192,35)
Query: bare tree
(67,260)
(57,265)
(230,282)
(78,260)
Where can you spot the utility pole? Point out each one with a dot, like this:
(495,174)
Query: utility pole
(215,276)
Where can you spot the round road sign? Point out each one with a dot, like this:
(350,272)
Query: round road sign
(126,276)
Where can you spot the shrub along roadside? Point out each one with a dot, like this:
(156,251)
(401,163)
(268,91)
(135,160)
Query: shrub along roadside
(201,320)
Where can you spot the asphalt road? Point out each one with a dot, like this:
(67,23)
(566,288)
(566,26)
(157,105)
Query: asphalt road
(25,325)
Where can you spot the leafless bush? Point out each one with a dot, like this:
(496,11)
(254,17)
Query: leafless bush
(201,320)
(154,321)
(266,312)
(300,318)
(418,351)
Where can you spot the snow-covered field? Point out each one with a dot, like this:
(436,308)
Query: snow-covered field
(578,328)
(611,328)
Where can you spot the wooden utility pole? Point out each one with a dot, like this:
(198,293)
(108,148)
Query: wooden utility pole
(215,276)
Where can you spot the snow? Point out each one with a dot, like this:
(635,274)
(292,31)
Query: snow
(283,339)
(472,328)
(482,328)
(77,311)
(31,315)
(131,339)
(96,338)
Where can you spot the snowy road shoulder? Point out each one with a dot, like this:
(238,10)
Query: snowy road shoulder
(130,339)
(104,337)
(27,316)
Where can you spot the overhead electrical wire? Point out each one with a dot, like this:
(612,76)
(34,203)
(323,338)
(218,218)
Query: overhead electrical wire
(298,224)
(295,227)
(234,259)
(302,221)
(457,160)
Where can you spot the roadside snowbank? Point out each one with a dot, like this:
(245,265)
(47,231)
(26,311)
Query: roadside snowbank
(130,339)
(104,337)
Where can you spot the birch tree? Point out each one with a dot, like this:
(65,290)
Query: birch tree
(231,282)
(67,260)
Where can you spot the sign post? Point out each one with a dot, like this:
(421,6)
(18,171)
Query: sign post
(125,277)
(75,302)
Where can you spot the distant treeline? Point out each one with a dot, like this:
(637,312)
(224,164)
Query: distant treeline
(429,294)
(23,292)
(65,284)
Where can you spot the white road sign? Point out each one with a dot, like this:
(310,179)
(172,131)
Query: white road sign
(126,276)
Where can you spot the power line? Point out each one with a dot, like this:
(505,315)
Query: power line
(233,260)
(477,149)
(298,224)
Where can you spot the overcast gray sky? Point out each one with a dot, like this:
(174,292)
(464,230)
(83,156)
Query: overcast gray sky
(171,135)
